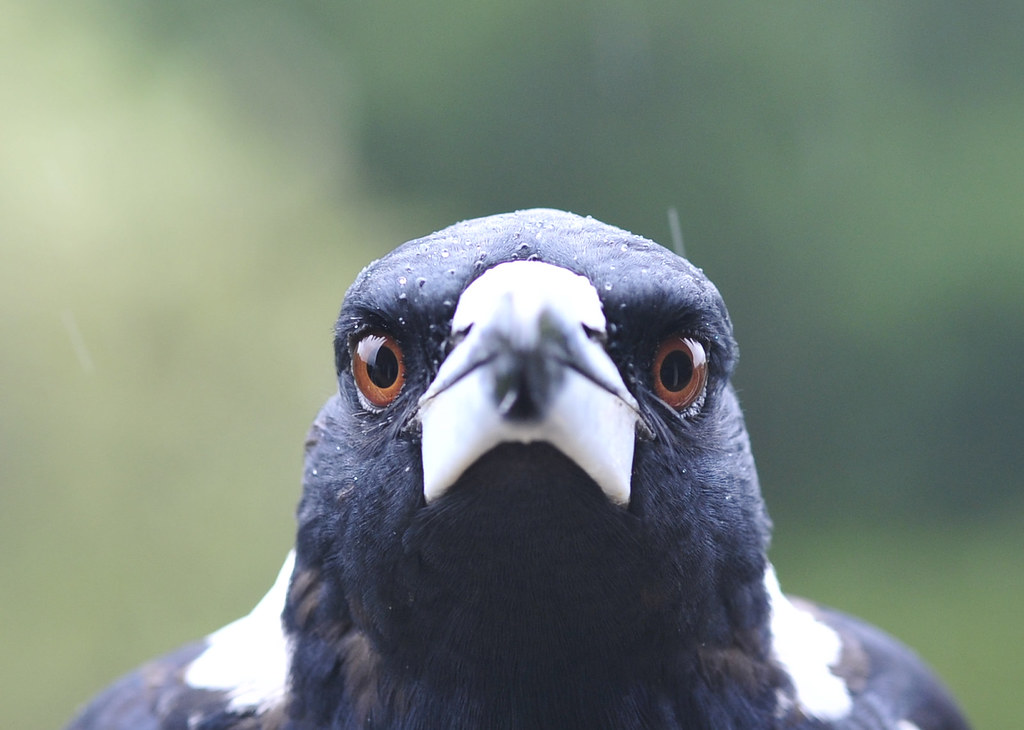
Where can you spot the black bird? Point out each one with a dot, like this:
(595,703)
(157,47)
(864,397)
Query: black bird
(531,504)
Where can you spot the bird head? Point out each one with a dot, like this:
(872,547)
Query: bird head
(534,441)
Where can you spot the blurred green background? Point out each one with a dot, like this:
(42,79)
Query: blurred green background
(186,190)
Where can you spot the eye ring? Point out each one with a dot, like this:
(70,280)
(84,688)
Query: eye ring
(680,372)
(378,368)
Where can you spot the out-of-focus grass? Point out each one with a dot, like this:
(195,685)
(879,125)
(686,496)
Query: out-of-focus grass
(169,279)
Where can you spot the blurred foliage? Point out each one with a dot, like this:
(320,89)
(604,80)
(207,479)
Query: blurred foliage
(187,188)
(848,175)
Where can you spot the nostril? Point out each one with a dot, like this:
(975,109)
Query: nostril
(597,335)
(454,340)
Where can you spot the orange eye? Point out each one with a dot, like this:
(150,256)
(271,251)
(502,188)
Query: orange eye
(378,368)
(680,371)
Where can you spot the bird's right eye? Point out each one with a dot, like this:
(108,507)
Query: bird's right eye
(680,372)
(378,368)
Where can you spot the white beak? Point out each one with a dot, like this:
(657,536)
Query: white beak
(529,366)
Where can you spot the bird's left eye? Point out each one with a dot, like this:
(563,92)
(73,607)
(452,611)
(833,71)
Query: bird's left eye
(680,372)
(378,368)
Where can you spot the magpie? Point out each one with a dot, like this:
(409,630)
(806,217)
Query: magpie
(531,503)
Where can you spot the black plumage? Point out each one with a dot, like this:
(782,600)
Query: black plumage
(532,504)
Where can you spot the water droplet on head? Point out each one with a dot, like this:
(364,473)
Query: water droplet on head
(402,280)
(444,253)
(608,286)
(402,297)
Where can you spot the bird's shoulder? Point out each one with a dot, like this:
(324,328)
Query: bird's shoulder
(889,686)
(156,696)
(234,679)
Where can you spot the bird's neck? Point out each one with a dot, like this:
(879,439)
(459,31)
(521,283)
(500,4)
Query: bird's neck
(524,602)
(491,685)
(500,651)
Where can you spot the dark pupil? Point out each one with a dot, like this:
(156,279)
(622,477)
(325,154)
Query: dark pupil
(676,371)
(382,367)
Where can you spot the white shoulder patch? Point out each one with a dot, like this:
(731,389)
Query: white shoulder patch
(807,649)
(249,658)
